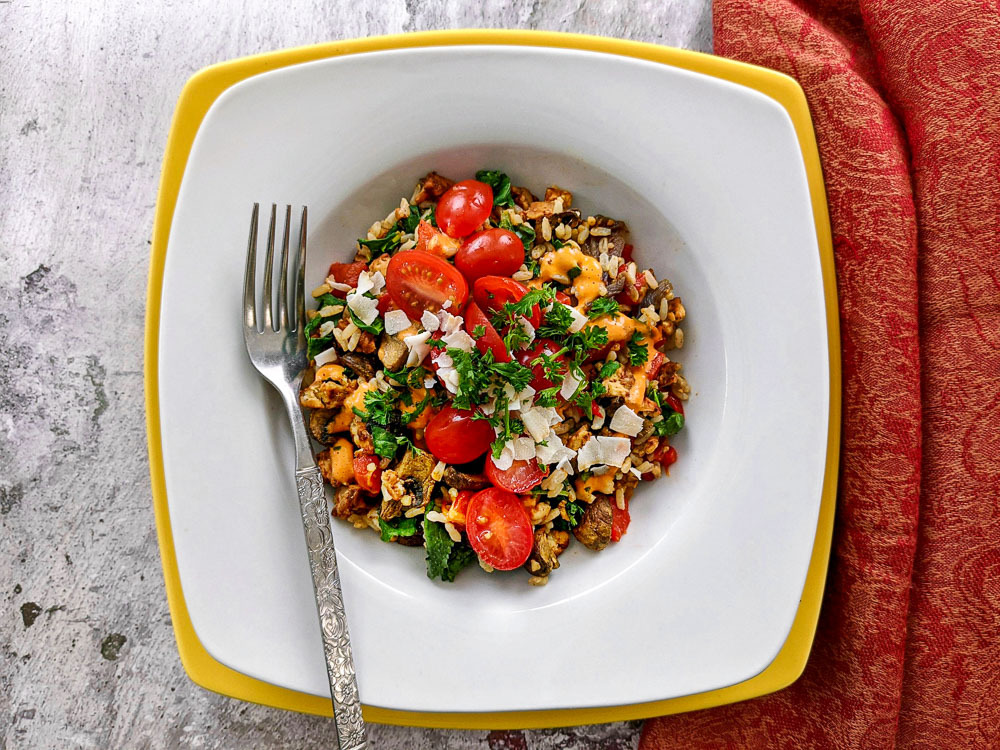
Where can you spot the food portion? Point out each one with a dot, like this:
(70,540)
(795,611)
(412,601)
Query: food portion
(491,377)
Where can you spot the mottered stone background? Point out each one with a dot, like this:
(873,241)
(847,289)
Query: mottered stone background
(87,654)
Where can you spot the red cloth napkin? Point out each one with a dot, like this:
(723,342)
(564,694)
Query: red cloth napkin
(905,97)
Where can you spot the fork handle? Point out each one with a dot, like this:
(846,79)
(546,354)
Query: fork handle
(351,733)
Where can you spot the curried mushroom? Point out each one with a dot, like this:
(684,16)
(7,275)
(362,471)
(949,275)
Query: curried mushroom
(617,240)
(361,366)
(415,470)
(431,187)
(655,296)
(348,500)
(460,480)
(522,196)
(392,352)
(325,425)
(545,551)
(594,529)
(331,386)
(554,191)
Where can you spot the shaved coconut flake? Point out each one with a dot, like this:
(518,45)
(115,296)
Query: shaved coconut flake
(565,465)
(506,459)
(396,321)
(429,321)
(446,305)
(364,307)
(626,421)
(535,423)
(327,328)
(569,386)
(529,330)
(448,321)
(326,357)
(588,455)
(417,344)
(365,283)
(579,319)
(489,407)
(429,382)
(520,400)
(551,415)
(609,451)
(636,472)
(378,283)
(553,452)
(444,360)
(598,422)
(523,448)
(460,340)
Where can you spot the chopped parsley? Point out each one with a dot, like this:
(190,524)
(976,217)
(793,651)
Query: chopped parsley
(557,321)
(401,526)
(474,377)
(609,368)
(575,513)
(637,351)
(479,331)
(673,422)
(500,183)
(547,397)
(602,306)
(514,373)
(376,327)
(445,557)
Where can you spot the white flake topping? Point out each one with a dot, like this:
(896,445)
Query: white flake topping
(417,344)
(448,321)
(460,340)
(429,321)
(523,448)
(626,421)
(569,385)
(579,319)
(506,459)
(536,423)
(364,307)
(598,422)
(396,321)
(338,286)
(326,357)
(529,330)
(609,451)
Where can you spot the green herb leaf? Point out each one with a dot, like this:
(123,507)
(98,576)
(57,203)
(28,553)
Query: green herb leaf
(609,368)
(387,244)
(637,351)
(672,423)
(315,346)
(408,224)
(575,513)
(556,323)
(547,397)
(500,183)
(384,442)
(574,271)
(376,327)
(445,558)
(514,373)
(479,331)
(602,306)
(401,526)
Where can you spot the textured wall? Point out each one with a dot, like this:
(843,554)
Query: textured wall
(87,655)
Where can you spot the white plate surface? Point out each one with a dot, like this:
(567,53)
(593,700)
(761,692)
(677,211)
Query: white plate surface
(702,591)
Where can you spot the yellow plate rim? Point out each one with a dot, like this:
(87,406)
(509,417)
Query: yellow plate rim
(195,100)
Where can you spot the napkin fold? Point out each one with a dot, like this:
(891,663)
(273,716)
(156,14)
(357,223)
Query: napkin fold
(905,99)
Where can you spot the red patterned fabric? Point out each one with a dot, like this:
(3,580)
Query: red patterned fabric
(905,98)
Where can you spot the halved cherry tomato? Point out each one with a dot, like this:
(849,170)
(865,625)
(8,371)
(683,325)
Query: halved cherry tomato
(674,403)
(492,252)
(431,240)
(463,207)
(498,528)
(367,472)
(346,273)
(385,304)
(490,340)
(454,510)
(491,293)
(454,437)
(619,521)
(421,281)
(522,476)
(525,356)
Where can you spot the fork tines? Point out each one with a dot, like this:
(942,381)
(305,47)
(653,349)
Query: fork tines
(283,320)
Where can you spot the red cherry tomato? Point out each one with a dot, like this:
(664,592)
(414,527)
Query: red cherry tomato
(492,252)
(454,437)
(674,403)
(619,521)
(666,455)
(346,273)
(522,476)
(385,304)
(653,365)
(564,298)
(627,253)
(421,281)
(454,510)
(493,292)
(498,528)
(525,356)
(463,207)
(367,472)
(435,242)
(490,340)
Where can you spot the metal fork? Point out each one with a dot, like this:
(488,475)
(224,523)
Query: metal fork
(278,351)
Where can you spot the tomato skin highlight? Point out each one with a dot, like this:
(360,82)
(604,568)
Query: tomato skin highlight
(491,293)
(464,207)
(346,273)
(492,252)
(419,281)
(498,528)
(454,437)
(490,340)
(674,403)
(620,520)
(522,476)
(369,481)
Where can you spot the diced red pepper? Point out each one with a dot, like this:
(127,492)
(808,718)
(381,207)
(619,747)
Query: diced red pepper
(620,520)
(346,273)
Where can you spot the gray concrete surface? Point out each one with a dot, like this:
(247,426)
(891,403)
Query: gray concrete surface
(87,654)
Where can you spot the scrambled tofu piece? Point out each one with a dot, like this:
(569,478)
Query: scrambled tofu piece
(522,196)
(329,389)
(336,463)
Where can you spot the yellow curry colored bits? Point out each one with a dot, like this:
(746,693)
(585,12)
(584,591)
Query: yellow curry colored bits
(556,264)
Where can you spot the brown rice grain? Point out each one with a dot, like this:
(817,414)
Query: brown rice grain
(583,234)
(546,229)
(601,231)
(321,290)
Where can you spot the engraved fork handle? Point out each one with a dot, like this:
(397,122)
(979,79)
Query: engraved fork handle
(351,733)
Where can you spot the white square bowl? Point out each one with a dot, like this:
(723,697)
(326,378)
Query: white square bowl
(702,594)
